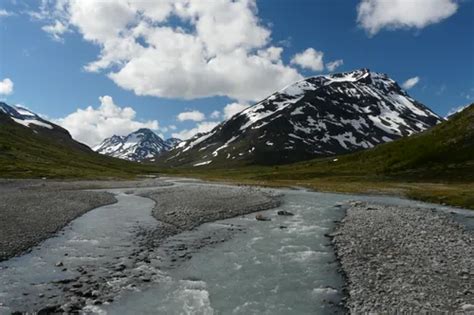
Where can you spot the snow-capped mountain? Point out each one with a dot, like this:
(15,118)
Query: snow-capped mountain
(316,117)
(138,146)
(25,117)
(40,126)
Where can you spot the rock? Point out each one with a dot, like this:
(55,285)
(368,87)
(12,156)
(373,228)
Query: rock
(52,309)
(284,213)
(260,217)
(59,264)
(467,307)
(120,267)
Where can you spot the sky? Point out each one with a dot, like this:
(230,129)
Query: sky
(179,67)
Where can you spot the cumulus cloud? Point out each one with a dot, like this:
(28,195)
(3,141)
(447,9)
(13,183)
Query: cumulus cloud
(410,83)
(233,108)
(201,127)
(194,115)
(309,59)
(333,65)
(374,15)
(56,30)
(178,48)
(6,86)
(92,125)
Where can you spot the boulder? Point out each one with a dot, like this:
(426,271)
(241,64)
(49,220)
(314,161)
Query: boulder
(260,217)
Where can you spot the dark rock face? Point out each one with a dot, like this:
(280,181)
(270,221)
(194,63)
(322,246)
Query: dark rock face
(138,146)
(316,117)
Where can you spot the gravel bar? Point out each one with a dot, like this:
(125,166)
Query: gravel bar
(399,259)
(32,210)
(186,207)
(29,217)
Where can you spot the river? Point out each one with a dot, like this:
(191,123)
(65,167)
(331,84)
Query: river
(285,265)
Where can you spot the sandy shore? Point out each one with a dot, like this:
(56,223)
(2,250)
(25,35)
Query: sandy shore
(399,259)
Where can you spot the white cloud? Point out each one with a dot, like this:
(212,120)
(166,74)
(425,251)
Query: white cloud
(6,86)
(5,13)
(194,115)
(92,125)
(233,108)
(56,30)
(309,59)
(192,57)
(410,83)
(374,15)
(215,114)
(172,127)
(333,65)
(201,127)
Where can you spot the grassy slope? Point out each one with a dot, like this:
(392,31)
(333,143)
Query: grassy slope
(436,166)
(24,154)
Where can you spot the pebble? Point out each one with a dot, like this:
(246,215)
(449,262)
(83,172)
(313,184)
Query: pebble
(404,260)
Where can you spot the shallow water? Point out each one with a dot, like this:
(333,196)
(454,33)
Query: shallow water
(281,266)
(94,240)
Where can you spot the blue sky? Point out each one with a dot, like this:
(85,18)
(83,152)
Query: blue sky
(45,50)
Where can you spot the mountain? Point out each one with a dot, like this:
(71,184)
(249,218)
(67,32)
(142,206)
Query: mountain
(172,142)
(316,117)
(138,146)
(442,153)
(33,147)
(24,117)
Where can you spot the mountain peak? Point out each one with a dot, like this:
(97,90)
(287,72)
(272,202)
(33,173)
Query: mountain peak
(26,117)
(319,116)
(144,131)
(140,145)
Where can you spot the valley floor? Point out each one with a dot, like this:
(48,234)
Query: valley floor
(387,247)
(452,193)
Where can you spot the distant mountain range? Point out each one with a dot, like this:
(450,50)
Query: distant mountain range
(316,117)
(141,145)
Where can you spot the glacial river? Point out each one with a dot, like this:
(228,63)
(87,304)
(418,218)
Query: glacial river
(282,266)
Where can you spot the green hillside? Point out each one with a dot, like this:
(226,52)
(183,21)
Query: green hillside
(29,153)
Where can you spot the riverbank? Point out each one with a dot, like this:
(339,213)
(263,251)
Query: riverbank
(33,210)
(400,259)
